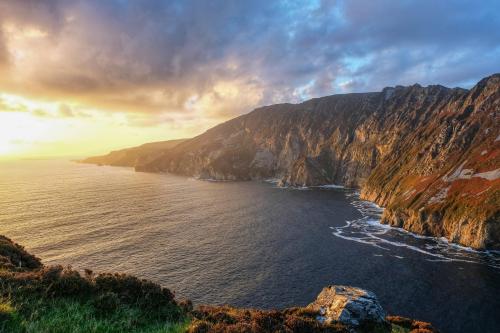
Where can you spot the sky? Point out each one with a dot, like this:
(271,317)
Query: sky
(80,78)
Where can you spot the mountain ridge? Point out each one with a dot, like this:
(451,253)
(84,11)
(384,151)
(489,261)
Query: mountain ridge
(127,157)
(429,155)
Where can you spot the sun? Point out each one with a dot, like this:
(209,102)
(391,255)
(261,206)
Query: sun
(18,131)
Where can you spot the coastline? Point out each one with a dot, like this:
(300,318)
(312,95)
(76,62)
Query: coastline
(277,183)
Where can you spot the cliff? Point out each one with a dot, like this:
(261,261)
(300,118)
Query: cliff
(443,176)
(429,155)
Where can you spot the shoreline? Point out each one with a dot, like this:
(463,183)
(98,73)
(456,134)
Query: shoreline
(276,183)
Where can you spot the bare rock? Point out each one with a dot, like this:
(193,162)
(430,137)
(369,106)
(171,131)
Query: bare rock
(354,307)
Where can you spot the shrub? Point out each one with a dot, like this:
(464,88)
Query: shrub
(132,290)
(413,326)
(199,326)
(106,303)
(14,257)
(302,325)
(186,305)
(400,321)
(301,312)
(6,311)
(267,321)
(224,319)
(60,281)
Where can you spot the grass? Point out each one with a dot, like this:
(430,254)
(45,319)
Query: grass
(67,315)
(53,299)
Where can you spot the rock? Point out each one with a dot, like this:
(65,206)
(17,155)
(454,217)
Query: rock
(354,307)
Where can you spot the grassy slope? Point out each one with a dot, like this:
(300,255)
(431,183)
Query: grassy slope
(73,315)
(35,298)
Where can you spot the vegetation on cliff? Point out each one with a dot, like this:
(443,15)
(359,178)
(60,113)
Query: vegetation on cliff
(35,298)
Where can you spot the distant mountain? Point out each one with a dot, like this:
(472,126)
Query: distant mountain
(130,156)
(429,155)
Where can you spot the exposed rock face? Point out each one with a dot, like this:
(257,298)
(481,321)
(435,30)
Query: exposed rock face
(351,306)
(429,155)
(443,177)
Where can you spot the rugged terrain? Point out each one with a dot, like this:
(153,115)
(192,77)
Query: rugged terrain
(38,298)
(429,155)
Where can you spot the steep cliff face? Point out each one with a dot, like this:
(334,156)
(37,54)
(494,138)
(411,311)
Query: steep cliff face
(306,144)
(430,155)
(443,177)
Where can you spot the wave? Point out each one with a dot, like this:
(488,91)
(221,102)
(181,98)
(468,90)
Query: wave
(276,183)
(368,230)
(212,180)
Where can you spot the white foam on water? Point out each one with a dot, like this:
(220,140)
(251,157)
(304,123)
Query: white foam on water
(288,187)
(212,180)
(368,230)
(334,186)
(274,181)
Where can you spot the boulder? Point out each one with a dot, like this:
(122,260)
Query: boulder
(354,307)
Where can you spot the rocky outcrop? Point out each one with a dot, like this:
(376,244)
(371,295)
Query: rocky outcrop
(351,306)
(429,155)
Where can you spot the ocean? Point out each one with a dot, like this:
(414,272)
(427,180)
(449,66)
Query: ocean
(249,244)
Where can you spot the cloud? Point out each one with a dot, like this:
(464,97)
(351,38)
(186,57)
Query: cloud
(41,113)
(212,60)
(4,57)
(12,106)
(65,111)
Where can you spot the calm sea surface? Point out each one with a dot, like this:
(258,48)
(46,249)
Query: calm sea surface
(242,243)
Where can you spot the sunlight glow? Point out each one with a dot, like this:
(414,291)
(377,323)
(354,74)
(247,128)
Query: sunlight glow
(31,128)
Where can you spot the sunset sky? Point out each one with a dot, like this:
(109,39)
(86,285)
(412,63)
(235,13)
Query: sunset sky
(84,77)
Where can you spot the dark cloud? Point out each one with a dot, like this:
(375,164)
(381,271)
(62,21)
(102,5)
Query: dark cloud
(4,56)
(158,57)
